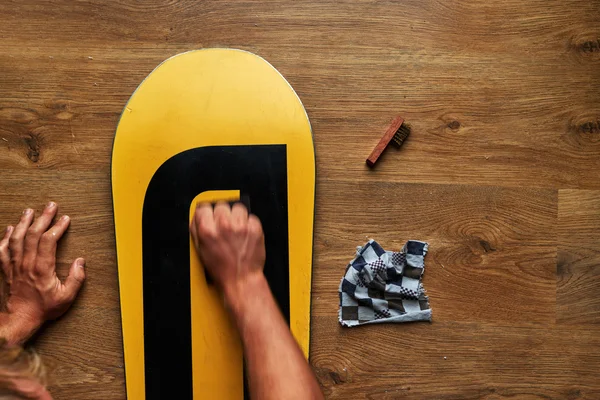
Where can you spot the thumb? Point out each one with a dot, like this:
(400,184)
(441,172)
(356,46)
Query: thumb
(75,279)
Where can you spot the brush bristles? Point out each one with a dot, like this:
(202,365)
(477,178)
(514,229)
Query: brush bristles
(401,134)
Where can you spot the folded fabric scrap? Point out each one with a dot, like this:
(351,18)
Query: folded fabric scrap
(384,286)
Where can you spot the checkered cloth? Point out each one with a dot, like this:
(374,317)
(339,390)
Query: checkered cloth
(384,286)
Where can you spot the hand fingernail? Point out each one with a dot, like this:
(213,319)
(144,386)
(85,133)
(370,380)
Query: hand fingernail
(64,217)
(9,229)
(27,211)
(51,204)
(80,262)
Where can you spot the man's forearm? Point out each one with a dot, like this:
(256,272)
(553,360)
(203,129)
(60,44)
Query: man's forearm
(276,366)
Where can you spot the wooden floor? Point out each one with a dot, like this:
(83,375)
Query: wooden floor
(501,175)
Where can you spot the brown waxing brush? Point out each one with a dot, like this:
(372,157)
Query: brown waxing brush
(397,132)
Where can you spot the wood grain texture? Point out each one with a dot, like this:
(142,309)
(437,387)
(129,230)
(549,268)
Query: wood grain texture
(578,268)
(499,175)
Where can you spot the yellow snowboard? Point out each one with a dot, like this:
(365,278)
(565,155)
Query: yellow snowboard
(206,125)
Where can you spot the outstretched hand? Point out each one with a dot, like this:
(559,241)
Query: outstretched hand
(28,260)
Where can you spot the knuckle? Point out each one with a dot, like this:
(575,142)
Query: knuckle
(48,236)
(197,220)
(202,206)
(240,228)
(254,227)
(33,231)
(240,207)
(44,264)
(206,232)
(203,214)
(14,239)
(222,204)
(225,226)
(222,220)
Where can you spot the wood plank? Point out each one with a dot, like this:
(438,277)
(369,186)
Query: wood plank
(498,101)
(492,254)
(578,267)
(513,285)
(75,371)
(503,101)
(59,127)
(447,360)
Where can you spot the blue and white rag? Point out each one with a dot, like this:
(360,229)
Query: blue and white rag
(384,286)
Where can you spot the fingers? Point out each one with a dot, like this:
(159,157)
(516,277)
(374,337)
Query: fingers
(256,237)
(7,233)
(239,214)
(255,227)
(193,229)
(222,213)
(75,279)
(47,247)
(5,254)
(208,222)
(15,243)
(35,231)
(204,222)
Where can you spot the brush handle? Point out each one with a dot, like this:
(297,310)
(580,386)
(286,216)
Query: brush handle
(385,140)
